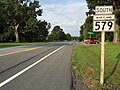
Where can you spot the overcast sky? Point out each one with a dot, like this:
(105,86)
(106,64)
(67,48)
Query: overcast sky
(68,14)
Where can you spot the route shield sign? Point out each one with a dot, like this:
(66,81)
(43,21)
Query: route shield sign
(103,23)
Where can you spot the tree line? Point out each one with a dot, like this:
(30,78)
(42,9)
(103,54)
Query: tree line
(57,34)
(88,25)
(19,23)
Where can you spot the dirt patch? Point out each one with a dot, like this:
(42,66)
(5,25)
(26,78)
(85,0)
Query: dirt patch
(78,83)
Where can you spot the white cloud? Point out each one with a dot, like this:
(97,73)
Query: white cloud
(69,16)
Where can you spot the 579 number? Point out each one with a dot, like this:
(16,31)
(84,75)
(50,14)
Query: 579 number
(103,25)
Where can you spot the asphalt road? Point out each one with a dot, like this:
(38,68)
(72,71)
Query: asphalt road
(36,67)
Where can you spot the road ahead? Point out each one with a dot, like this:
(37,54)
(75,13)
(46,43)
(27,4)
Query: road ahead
(36,67)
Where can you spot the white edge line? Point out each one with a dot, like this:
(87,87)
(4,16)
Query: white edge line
(29,67)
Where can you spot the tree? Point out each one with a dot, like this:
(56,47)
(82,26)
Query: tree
(36,30)
(82,32)
(57,34)
(41,30)
(3,24)
(86,27)
(116,4)
(18,12)
(68,37)
(18,21)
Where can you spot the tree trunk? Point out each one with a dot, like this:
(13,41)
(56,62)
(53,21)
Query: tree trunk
(17,34)
(116,32)
(84,33)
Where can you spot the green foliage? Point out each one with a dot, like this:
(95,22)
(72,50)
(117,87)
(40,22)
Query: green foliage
(57,34)
(86,27)
(88,23)
(68,37)
(75,38)
(18,21)
(81,38)
(11,44)
(41,30)
(117,13)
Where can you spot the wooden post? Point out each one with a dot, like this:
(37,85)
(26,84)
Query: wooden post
(90,36)
(102,58)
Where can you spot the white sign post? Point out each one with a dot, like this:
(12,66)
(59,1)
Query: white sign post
(103,22)
(102,58)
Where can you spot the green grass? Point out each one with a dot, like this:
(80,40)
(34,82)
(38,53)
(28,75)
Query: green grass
(86,59)
(4,45)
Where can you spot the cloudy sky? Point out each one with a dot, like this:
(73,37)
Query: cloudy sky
(68,14)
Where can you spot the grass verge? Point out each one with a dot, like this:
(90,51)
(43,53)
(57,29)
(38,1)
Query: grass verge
(4,45)
(86,60)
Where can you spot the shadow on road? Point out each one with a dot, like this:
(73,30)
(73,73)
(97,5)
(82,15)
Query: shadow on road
(115,67)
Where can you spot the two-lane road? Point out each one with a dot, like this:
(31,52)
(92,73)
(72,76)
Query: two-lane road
(36,67)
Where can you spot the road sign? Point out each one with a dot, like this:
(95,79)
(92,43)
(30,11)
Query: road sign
(90,32)
(107,26)
(103,10)
(103,23)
